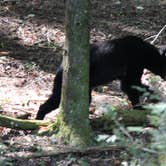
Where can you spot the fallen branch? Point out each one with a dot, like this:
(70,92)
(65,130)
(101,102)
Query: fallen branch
(58,150)
(62,150)
(151,37)
(21,124)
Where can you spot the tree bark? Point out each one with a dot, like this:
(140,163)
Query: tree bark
(73,119)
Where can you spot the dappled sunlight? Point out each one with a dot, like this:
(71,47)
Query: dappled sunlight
(31,33)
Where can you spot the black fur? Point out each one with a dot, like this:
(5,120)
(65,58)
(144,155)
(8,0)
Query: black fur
(122,59)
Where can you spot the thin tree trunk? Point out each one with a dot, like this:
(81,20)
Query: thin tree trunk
(73,120)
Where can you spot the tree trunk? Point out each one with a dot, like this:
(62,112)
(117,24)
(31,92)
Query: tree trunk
(73,120)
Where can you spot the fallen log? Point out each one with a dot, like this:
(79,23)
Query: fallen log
(126,117)
(21,124)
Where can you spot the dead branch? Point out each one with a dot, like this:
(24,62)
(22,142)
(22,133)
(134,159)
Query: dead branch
(156,36)
(151,37)
(58,150)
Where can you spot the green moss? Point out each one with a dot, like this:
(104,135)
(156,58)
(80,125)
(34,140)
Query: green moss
(71,131)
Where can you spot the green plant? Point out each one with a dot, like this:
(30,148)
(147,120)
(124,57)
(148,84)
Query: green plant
(147,94)
(154,79)
(31,66)
(144,146)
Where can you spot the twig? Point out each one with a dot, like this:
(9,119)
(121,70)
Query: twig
(123,130)
(152,42)
(151,37)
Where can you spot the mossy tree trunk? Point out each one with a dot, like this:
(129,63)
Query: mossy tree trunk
(73,122)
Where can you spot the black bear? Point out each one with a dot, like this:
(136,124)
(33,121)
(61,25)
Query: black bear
(123,59)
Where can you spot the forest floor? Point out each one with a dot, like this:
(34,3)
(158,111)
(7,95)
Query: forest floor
(32,38)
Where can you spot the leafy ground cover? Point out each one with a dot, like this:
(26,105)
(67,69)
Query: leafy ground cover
(32,37)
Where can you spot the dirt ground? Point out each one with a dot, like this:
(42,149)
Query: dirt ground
(32,38)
